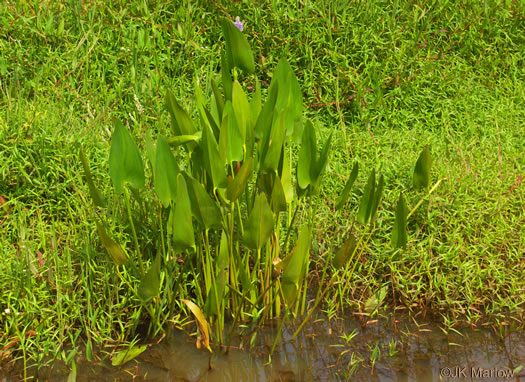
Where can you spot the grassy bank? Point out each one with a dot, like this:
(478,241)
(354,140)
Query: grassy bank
(386,79)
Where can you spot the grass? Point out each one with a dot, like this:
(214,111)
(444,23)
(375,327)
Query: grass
(385,77)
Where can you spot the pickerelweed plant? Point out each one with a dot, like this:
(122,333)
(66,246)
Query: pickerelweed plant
(228,209)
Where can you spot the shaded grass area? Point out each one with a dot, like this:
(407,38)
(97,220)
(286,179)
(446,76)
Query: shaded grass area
(386,77)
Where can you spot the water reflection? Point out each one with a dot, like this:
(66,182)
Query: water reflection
(403,352)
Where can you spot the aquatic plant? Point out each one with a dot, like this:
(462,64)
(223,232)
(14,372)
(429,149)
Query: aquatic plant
(226,204)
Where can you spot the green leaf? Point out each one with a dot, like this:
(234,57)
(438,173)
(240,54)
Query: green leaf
(399,233)
(226,78)
(114,250)
(230,138)
(150,284)
(421,178)
(201,106)
(237,48)
(182,139)
(259,226)
(125,163)
(290,98)
(96,195)
(344,253)
(265,119)
(203,207)
(183,236)
(204,339)
(255,103)
(122,357)
(286,177)
(212,160)
(216,293)
(307,152)
(346,191)
(180,121)
(271,157)
(242,110)
(151,150)
(219,101)
(238,184)
(378,193)
(319,166)
(278,201)
(295,269)
(166,170)
(365,207)
(72,376)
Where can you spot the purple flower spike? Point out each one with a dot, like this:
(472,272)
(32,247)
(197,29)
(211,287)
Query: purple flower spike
(238,24)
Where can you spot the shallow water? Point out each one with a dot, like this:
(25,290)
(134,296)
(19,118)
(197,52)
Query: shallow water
(424,352)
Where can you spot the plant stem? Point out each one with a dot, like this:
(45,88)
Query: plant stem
(426,196)
(137,247)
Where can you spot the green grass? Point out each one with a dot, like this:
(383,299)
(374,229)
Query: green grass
(385,77)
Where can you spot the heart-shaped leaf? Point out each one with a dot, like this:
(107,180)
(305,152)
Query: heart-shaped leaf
(237,48)
(125,163)
(259,226)
(290,98)
(230,139)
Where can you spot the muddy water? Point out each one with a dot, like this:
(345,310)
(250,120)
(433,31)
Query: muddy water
(404,351)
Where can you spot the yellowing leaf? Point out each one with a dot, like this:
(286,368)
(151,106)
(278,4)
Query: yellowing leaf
(204,339)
